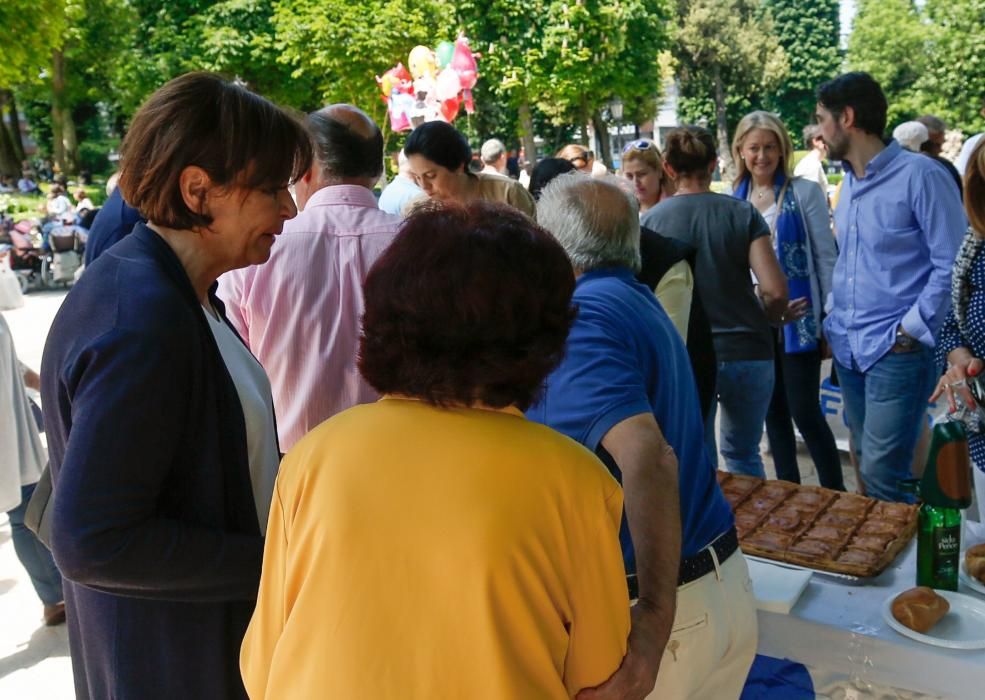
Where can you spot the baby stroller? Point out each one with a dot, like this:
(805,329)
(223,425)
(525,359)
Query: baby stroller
(29,263)
(67,244)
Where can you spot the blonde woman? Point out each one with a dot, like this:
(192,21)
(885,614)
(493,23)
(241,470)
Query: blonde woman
(797,215)
(961,344)
(643,165)
(578,156)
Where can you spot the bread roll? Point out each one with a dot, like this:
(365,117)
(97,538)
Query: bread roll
(974,561)
(919,608)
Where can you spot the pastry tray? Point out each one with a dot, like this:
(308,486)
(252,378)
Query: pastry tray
(841,578)
(848,536)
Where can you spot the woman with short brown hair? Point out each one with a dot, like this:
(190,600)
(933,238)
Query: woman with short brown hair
(160,423)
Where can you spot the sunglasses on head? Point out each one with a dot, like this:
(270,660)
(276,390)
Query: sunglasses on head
(583,158)
(639,145)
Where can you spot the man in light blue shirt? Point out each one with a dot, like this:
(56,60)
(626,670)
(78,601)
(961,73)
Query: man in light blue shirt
(401,189)
(899,223)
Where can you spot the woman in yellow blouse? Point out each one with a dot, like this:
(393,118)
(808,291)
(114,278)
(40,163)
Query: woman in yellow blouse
(436,544)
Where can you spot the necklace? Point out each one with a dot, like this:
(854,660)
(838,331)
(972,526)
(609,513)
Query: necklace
(761,194)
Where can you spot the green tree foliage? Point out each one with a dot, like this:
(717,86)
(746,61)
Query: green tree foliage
(566,60)
(28,31)
(808,31)
(928,60)
(337,47)
(727,49)
(952,85)
(161,47)
(237,38)
(888,41)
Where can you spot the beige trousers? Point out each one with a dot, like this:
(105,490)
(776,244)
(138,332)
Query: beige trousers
(714,638)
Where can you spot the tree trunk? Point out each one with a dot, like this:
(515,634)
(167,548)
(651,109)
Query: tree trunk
(721,124)
(602,133)
(527,134)
(70,141)
(66,144)
(583,123)
(15,124)
(10,164)
(57,113)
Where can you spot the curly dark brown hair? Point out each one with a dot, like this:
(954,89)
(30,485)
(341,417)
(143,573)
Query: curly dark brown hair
(470,304)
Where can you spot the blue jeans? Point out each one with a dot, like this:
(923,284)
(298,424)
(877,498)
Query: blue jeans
(34,556)
(744,389)
(884,408)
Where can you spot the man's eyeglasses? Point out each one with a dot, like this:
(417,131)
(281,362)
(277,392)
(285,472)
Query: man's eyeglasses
(639,145)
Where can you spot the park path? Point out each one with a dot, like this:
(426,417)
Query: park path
(34,661)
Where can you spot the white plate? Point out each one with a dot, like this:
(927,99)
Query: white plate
(969,580)
(962,628)
(777,588)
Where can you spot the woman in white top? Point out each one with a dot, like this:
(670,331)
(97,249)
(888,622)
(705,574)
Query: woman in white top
(22,458)
(797,214)
(58,204)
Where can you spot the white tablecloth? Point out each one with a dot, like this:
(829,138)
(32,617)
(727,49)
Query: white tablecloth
(838,629)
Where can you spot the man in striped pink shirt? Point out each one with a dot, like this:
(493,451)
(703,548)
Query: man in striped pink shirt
(300,312)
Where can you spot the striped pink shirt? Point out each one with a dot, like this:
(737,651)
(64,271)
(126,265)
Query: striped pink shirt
(300,312)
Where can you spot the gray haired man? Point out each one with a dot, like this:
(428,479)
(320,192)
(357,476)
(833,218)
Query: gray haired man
(494,157)
(626,391)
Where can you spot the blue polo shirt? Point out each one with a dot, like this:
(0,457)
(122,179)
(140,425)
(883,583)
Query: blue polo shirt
(624,357)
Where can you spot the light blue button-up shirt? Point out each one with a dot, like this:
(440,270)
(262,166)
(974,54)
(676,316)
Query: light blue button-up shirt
(899,229)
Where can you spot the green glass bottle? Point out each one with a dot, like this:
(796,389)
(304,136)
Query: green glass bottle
(938,547)
(945,490)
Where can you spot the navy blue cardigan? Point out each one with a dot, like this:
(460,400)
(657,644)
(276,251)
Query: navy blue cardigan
(154,525)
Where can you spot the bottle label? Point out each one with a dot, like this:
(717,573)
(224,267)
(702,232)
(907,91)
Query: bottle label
(947,541)
(947,549)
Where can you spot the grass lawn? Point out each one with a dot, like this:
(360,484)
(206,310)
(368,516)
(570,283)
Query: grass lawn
(20,206)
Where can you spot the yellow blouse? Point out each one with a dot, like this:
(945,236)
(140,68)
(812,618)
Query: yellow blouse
(415,552)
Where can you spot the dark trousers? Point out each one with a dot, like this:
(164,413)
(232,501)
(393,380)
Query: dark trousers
(34,556)
(796,400)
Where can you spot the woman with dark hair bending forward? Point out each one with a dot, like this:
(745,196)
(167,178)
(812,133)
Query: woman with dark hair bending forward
(437,544)
(731,238)
(160,422)
(439,157)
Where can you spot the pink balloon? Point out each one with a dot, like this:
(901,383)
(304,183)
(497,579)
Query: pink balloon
(448,85)
(463,62)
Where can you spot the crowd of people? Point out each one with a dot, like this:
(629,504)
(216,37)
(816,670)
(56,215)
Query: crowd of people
(460,441)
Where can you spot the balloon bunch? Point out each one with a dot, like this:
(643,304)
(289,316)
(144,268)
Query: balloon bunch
(433,85)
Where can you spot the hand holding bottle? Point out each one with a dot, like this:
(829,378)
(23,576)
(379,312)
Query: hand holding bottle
(961,365)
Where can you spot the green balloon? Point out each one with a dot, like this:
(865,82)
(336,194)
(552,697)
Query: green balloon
(444,52)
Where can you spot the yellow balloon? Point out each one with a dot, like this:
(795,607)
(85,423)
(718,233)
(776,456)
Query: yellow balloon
(421,62)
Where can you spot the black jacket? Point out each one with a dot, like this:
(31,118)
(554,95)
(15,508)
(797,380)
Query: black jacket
(154,525)
(659,254)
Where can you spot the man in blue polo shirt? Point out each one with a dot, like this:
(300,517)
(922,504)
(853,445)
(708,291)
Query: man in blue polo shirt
(625,390)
